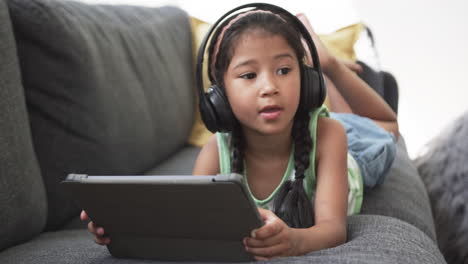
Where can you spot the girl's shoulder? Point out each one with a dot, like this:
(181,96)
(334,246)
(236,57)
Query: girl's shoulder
(328,128)
(326,122)
(207,162)
(330,135)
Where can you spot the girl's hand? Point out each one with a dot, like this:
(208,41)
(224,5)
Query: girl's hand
(355,67)
(274,239)
(325,57)
(97,231)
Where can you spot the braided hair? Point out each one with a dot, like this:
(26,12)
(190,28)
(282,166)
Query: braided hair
(291,204)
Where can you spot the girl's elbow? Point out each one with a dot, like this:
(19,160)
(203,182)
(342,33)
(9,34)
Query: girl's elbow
(341,236)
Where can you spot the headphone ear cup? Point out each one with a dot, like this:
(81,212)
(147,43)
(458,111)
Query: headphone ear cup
(216,111)
(312,89)
(207,113)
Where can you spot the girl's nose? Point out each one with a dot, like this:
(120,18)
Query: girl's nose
(269,87)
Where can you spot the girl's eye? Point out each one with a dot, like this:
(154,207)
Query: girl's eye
(283,71)
(248,76)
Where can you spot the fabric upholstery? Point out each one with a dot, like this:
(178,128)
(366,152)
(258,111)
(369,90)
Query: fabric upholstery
(380,239)
(180,163)
(373,78)
(402,195)
(384,83)
(371,239)
(22,195)
(391,91)
(108,88)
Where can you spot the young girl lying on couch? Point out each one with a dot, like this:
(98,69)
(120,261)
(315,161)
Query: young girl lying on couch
(304,166)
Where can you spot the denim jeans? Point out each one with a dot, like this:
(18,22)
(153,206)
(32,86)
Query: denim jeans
(372,147)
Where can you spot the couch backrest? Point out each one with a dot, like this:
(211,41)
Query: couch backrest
(109,88)
(22,196)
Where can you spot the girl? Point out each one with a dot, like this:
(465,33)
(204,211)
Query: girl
(257,58)
(297,163)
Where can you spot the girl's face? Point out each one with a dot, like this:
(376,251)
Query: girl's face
(262,83)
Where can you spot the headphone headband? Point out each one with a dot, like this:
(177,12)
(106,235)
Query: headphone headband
(275,9)
(226,27)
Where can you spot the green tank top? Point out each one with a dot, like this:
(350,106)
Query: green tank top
(355,185)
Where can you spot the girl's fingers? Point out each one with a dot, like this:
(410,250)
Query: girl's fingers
(257,258)
(96,230)
(267,231)
(102,240)
(84,216)
(91,227)
(273,225)
(257,243)
(355,67)
(269,252)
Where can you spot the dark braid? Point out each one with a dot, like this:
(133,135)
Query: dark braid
(291,203)
(237,150)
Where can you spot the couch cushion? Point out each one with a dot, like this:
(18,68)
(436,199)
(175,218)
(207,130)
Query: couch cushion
(109,88)
(402,195)
(372,239)
(22,195)
(381,239)
(181,163)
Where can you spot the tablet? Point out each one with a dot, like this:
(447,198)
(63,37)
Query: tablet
(183,218)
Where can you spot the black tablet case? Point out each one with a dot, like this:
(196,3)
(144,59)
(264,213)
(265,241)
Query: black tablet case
(183,218)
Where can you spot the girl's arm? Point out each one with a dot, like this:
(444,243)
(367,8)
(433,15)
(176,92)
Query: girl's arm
(331,197)
(276,239)
(207,162)
(347,91)
(359,96)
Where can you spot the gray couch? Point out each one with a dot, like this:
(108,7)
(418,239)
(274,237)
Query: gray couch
(110,90)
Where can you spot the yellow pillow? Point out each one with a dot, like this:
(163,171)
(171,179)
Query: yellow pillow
(340,43)
(199,135)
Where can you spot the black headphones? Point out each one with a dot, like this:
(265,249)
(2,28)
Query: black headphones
(214,106)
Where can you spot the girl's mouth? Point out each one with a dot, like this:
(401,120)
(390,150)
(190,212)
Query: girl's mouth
(271,112)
